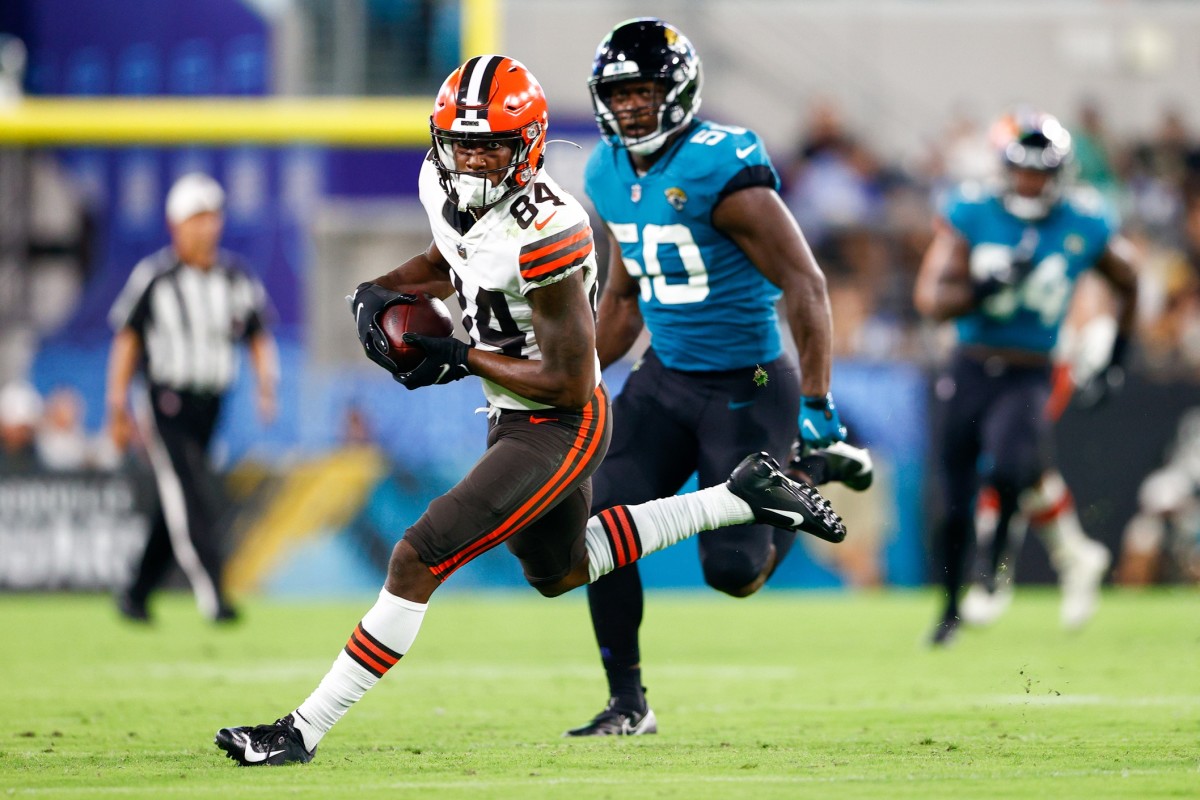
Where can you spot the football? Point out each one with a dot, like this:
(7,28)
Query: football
(427,316)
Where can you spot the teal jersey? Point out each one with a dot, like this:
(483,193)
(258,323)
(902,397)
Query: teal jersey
(707,307)
(1051,253)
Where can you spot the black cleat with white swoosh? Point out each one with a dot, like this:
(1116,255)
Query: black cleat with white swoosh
(616,720)
(780,501)
(265,745)
(840,462)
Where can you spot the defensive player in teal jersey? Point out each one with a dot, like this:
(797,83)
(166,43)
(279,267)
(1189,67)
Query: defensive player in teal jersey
(1003,265)
(701,248)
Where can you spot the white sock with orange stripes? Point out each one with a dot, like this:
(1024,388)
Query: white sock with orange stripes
(379,641)
(622,534)
(1051,510)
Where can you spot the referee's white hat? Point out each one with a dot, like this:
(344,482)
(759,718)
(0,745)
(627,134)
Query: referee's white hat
(20,404)
(192,194)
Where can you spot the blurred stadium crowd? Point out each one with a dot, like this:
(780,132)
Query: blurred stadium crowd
(869,222)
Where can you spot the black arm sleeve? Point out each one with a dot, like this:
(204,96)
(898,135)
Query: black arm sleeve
(757,175)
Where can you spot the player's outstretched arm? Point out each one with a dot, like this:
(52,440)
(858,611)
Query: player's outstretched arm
(123,358)
(565,377)
(1114,264)
(264,360)
(1118,272)
(944,289)
(618,320)
(761,225)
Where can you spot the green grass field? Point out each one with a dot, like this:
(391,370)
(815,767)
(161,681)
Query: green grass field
(782,695)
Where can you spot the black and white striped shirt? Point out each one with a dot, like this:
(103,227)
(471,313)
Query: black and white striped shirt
(190,320)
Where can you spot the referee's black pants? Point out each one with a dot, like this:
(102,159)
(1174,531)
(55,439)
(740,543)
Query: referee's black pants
(185,528)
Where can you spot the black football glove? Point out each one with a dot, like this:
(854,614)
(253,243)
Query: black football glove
(367,304)
(991,285)
(1097,389)
(837,462)
(1019,268)
(445,361)
(1000,281)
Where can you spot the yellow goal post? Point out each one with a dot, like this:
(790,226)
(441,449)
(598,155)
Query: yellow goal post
(173,120)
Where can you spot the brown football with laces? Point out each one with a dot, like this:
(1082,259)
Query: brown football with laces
(427,315)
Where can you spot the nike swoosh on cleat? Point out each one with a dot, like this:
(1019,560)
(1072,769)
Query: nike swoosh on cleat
(797,519)
(358,311)
(252,756)
(742,152)
(544,222)
(734,406)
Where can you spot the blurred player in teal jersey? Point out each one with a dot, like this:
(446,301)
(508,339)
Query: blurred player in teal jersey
(701,248)
(1003,265)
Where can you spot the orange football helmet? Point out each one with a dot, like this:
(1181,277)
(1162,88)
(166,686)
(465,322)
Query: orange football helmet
(488,100)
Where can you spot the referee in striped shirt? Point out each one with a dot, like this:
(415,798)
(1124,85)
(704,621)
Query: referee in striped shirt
(179,320)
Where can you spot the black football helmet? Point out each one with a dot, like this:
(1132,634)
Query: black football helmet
(646,49)
(1029,139)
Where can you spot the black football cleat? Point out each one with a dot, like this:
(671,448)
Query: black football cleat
(778,500)
(265,745)
(132,610)
(945,632)
(848,465)
(617,721)
(840,462)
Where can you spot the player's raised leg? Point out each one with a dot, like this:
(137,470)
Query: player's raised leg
(757,491)
(1081,561)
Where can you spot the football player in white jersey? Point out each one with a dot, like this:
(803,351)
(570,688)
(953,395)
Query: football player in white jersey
(517,252)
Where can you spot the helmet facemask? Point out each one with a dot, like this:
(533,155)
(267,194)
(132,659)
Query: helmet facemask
(1031,209)
(674,113)
(1043,145)
(646,49)
(479,191)
(490,101)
